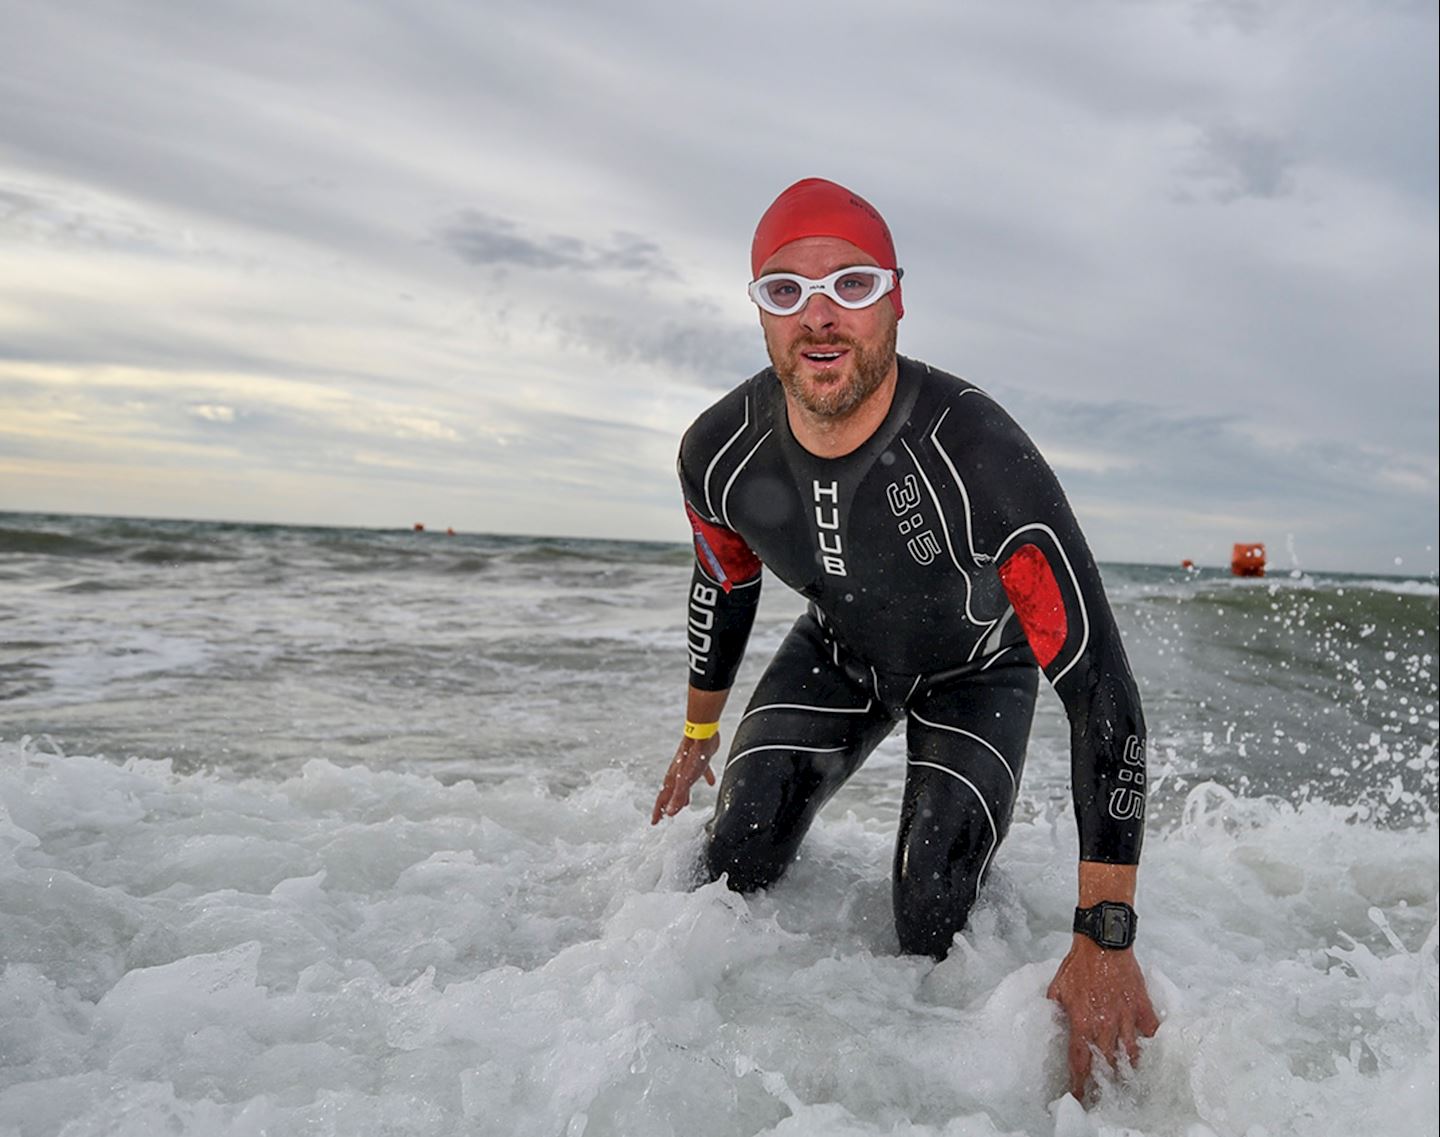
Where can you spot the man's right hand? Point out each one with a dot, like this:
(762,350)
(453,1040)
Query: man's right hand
(691,761)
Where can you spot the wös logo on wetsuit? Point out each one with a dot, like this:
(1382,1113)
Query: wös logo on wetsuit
(904,501)
(1128,802)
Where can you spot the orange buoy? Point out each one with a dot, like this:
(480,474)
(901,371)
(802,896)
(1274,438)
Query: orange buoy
(1187,563)
(419,527)
(1248,560)
(449,532)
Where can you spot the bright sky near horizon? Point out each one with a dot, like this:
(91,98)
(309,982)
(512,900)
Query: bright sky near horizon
(478,265)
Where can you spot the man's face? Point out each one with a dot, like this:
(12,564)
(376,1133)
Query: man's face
(829,359)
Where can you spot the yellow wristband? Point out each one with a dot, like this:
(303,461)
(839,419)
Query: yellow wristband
(701,729)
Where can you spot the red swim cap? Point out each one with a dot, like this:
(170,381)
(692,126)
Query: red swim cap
(817,208)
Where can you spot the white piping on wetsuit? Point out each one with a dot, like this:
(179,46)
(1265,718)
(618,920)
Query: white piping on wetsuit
(992,641)
(954,473)
(803,707)
(989,663)
(725,496)
(710,469)
(969,734)
(785,746)
(994,833)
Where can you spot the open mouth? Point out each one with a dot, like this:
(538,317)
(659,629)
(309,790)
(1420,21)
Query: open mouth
(822,357)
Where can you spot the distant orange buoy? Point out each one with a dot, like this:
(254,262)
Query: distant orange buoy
(419,527)
(449,532)
(1187,563)
(1248,560)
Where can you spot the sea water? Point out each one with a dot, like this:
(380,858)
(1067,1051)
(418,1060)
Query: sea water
(317,831)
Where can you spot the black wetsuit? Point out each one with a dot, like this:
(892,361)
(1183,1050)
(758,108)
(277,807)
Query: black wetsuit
(942,565)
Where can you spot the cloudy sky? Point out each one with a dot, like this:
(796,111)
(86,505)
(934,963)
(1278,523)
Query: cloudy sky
(479,264)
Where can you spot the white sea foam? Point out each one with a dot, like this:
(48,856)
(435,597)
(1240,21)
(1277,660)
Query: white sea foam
(355,952)
(416,891)
(85,668)
(1402,587)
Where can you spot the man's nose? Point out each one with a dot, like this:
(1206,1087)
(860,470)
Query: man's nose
(818,313)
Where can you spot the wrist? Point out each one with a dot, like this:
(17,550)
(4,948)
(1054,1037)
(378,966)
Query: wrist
(701,730)
(1100,881)
(704,706)
(1080,942)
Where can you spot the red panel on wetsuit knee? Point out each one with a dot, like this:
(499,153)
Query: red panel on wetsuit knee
(1035,594)
(723,552)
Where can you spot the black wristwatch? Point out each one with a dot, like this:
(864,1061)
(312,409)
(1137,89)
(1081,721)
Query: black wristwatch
(1109,924)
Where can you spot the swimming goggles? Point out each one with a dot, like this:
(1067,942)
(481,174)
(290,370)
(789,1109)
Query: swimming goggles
(785,293)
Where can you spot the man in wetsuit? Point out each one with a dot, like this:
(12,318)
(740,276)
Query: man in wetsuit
(944,569)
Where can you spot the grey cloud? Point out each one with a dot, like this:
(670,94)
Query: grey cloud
(1243,15)
(1166,454)
(244,431)
(1233,162)
(635,253)
(44,215)
(171,348)
(205,115)
(13,202)
(632,461)
(239,432)
(486,240)
(1342,502)
(104,346)
(1255,16)
(483,240)
(719,355)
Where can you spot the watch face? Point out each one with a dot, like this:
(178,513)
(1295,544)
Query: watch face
(1114,925)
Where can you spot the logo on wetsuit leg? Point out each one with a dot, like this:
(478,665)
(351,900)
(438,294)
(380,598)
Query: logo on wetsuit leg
(828,528)
(904,498)
(1128,802)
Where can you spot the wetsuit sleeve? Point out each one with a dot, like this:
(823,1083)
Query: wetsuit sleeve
(724,592)
(1025,522)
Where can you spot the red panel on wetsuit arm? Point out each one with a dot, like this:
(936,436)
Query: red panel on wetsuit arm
(724,553)
(1035,594)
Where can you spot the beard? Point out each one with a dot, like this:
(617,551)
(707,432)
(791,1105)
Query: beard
(866,369)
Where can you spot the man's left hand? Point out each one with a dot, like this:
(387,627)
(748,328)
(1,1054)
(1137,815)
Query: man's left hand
(1104,998)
